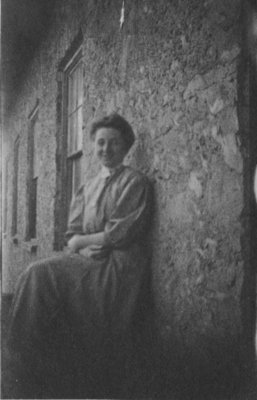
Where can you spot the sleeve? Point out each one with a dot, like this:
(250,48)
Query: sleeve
(75,220)
(130,218)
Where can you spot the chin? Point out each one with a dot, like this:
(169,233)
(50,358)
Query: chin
(108,164)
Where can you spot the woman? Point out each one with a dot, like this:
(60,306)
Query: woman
(72,313)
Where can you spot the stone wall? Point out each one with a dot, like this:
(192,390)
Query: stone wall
(171,70)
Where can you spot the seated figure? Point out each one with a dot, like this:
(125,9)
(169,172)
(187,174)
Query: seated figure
(71,314)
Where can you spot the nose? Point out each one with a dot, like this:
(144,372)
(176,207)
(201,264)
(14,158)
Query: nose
(106,147)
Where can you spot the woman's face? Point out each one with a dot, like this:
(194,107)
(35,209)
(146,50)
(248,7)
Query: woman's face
(109,146)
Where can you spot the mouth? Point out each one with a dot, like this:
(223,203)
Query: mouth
(106,157)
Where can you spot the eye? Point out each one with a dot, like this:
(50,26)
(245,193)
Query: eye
(100,142)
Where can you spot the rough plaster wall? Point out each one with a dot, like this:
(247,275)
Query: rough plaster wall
(175,78)
(41,85)
(171,71)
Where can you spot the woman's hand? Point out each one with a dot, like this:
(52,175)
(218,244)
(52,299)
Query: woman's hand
(95,251)
(78,242)
(74,243)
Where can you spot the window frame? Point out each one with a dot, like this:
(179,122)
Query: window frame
(63,196)
(32,177)
(15,184)
(5,195)
(73,156)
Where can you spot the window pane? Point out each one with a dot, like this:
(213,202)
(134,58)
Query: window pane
(79,129)
(70,93)
(76,175)
(5,196)
(80,84)
(71,133)
(35,150)
(75,131)
(68,187)
(76,87)
(15,188)
(74,127)
(70,130)
(75,93)
(33,209)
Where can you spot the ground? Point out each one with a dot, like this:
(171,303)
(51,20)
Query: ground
(150,378)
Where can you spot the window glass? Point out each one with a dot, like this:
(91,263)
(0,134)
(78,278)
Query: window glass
(76,174)
(6,188)
(74,78)
(35,140)
(75,99)
(69,138)
(15,186)
(33,173)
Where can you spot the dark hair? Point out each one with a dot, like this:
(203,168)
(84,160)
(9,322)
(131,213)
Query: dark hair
(115,121)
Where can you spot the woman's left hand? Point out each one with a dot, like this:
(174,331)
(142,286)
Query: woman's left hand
(95,251)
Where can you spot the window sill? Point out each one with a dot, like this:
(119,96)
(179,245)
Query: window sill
(31,246)
(16,239)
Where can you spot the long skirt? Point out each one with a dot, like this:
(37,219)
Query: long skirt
(62,331)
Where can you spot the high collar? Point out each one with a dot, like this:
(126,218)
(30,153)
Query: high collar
(108,172)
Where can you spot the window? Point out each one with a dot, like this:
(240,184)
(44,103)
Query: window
(32,177)
(5,192)
(73,75)
(15,186)
(69,136)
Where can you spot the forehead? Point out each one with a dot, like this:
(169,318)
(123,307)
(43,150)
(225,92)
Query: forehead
(107,133)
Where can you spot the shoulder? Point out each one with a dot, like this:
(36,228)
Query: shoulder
(131,175)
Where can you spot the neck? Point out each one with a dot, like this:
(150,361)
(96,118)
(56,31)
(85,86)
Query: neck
(110,171)
(113,169)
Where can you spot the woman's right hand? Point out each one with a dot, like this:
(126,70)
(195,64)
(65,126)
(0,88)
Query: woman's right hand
(95,252)
(74,243)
